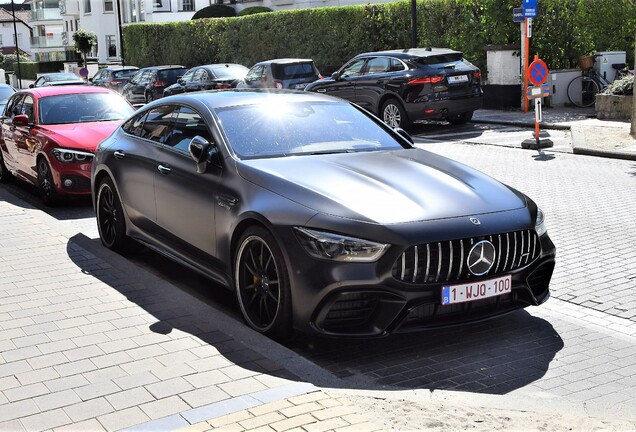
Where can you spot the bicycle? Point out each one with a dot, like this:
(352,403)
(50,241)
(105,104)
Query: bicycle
(583,89)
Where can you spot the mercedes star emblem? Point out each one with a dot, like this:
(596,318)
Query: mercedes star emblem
(475,221)
(481,258)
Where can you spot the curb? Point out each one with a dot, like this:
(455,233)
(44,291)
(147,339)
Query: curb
(523,124)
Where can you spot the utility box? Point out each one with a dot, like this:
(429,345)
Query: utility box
(605,60)
(502,90)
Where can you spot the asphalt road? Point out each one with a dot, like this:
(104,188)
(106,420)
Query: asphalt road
(588,202)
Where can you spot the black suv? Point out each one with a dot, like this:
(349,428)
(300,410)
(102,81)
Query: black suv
(402,86)
(148,83)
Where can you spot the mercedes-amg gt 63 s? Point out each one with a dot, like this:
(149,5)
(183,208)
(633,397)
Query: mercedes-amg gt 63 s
(320,217)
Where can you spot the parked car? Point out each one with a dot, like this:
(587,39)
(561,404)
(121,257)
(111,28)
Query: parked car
(49,136)
(57,79)
(5,93)
(208,77)
(114,78)
(402,86)
(246,187)
(147,84)
(288,73)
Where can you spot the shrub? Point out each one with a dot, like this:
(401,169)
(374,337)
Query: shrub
(252,10)
(215,11)
(621,87)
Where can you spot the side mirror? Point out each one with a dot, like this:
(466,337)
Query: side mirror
(198,149)
(31,85)
(90,80)
(335,76)
(21,120)
(181,81)
(404,134)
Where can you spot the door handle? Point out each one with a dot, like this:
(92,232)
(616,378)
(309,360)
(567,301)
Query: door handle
(164,169)
(322,90)
(119,155)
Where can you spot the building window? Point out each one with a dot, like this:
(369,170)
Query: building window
(161,6)
(111,43)
(186,5)
(108,5)
(87,6)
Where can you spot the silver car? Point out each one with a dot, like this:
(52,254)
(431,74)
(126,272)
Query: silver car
(289,73)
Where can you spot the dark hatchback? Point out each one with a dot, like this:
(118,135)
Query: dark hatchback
(208,77)
(318,215)
(287,73)
(148,83)
(402,86)
(114,78)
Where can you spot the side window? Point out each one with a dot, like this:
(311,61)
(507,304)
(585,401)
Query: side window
(158,124)
(353,69)
(38,82)
(137,77)
(145,78)
(27,108)
(255,73)
(200,75)
(188,124)
(188,76)
(135,125)
(378,65)
(396,65)
(98,75)
(13,105)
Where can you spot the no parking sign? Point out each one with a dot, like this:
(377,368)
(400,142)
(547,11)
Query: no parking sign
(537,72)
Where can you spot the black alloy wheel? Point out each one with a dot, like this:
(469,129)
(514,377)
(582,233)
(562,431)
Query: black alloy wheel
(262,284)
(46,186)
(5,175)
(458,119)
(394,115)
(110,218)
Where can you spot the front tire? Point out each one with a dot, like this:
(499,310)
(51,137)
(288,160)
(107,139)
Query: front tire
(462,118)
(394,115)
(46,186)
(110,218)
(262,284)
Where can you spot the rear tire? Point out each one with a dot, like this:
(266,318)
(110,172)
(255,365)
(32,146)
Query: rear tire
(582,91)
(5,175)
(462,118)
(394,115)
(111,223)
(262,284)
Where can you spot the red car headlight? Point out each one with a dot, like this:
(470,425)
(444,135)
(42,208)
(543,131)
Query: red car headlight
(72,156)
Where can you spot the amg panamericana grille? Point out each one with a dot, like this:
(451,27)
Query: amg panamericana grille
(440,262)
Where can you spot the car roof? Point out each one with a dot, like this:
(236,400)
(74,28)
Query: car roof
(163,67)
(62,90)
(118,68)
(57,73)
(412,52)
(216,99)
(285,61)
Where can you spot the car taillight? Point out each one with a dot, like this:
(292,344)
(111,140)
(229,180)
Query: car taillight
(477,74)
(427,80)
(278,84)
(223,86)
(159,84)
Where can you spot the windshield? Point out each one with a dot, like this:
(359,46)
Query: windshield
(170,75)
(63,77)
(280,128)
(293,70)
(83,108)
(230,72)
(124,73)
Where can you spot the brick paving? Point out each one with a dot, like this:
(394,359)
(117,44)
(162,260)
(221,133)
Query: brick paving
(90,341)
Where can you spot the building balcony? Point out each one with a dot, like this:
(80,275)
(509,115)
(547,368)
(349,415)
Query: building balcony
(46,15)
(53,41)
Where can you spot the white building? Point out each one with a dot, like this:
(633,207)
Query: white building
(8,32)
(46,22)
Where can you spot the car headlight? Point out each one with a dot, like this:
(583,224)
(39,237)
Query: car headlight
(336,247)
(539,225)
(71,156)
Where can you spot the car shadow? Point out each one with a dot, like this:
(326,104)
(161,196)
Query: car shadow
(436,130)
(68,208)
(494,357)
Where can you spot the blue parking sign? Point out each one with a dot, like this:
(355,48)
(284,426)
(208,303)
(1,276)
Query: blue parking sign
(529,8)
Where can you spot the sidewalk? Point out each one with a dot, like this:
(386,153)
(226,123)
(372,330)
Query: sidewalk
(590,136)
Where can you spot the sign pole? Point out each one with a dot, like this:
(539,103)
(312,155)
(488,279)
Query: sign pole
(527,23)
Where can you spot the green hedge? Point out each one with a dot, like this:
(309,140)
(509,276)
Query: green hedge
(564,30)
(254,10)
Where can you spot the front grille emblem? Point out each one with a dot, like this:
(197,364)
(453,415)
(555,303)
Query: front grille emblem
(475,221)
(481,258)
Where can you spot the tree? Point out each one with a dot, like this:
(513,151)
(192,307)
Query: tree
(84,41)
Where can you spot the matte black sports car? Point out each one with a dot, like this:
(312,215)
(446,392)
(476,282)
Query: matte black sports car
(320,216)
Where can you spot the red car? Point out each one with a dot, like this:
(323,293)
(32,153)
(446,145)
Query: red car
(50,134)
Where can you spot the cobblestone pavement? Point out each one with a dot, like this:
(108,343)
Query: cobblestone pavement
(90,341)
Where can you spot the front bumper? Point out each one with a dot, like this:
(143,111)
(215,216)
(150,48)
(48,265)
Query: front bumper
(367,300)
(71,178)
